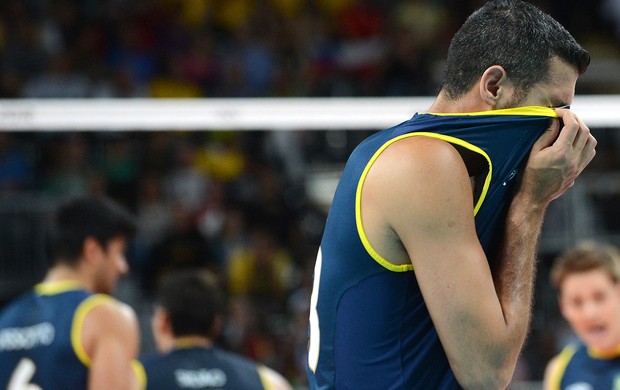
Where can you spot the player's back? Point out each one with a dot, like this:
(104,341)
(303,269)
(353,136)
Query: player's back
(40,338)
(198,368)
(368,313)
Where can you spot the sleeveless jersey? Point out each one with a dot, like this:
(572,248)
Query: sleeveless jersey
(579,369)
(200,368)
(40,335)
(369,325)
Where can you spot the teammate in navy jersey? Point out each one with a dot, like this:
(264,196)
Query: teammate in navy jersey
(68,332)
(587,279)
(188,316)
(425,272)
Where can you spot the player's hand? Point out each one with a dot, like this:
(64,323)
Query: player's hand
(558,157)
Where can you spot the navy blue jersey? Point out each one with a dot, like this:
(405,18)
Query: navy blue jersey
(580,369)
(369,325)
(40,337)
(201,368)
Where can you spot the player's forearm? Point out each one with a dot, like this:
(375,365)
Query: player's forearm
(502,342)
(515,272)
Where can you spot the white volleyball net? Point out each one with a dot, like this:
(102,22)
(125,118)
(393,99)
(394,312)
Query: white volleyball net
(598,111)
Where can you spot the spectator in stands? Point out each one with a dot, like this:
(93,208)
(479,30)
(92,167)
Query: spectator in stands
(182,246)
(16,171)
(263,271)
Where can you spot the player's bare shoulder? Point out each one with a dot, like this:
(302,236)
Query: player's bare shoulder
(409,162)
(109,307)
(109,318)
(404,188)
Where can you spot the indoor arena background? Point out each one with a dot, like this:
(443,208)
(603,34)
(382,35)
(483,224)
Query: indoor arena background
(220,197)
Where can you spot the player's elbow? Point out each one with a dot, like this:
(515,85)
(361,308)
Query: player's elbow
(491,374)
(491,380)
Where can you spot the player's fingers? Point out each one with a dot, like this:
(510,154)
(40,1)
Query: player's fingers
(589,150)
(583,135)
(570,127)
(547,138)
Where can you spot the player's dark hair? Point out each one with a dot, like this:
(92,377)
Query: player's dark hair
(515,35)
(193,299)
(83,217)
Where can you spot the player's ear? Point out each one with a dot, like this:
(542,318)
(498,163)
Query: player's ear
(161,320)
(494,83)
(91,249)
(161,326)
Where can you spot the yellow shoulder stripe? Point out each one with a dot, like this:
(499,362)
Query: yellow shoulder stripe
(78,321)
(560,368)
(52,288)
(523,111)
(263,375)
(358,196)
(138,370)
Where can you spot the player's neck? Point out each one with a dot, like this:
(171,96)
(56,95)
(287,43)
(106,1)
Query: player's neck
(470,102)
(61,273)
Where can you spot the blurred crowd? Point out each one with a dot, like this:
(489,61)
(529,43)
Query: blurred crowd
(234,202)
(232,48)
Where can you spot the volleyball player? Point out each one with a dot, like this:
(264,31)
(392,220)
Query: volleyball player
(425,272)
(68,332)
(188,317)
(587,279)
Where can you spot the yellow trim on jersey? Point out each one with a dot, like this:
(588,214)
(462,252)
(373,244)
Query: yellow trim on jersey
(78,322)
(473,148)
(263,375)
(560,367)
(138,369)
(191,342)
(604,355)
(52,288)
(358,196)
(522,111)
